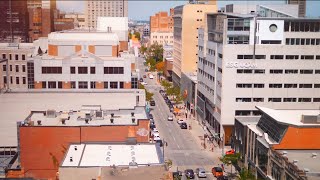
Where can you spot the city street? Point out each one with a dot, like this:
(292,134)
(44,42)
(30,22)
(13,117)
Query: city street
(182,147)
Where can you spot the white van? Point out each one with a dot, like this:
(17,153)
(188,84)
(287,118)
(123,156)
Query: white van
(150,76)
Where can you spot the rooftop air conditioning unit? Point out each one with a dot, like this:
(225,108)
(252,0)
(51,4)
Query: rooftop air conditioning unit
(99,114)
(51,113)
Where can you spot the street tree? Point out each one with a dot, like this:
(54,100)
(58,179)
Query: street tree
(143,49)
(230,159)
(137,35)
(166,84)
(149,95)
(160,66)
(245,175)
(152,63)
(156,51)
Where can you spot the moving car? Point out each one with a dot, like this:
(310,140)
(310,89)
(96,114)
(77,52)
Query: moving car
(161,91)
(180,121)
(189,173)
(156,137)
(183,125)
(222,178)
(201,172)
(170,118)
(152,103)
(230,152)
(150,76)
(144,83)
(217,171)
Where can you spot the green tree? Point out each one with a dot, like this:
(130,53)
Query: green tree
(149,95)
(143,49)
(137,35)
(245,175)
(156,52)
(230,159)
(129,35)
(152,63)
(166,84)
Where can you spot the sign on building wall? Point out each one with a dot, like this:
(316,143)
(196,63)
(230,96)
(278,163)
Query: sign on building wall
(246,65)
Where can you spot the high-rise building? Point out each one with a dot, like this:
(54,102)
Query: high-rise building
(41,17)
(187,20)
(302,6)
(14,23)
(104,8)
(246,61)
(161,21)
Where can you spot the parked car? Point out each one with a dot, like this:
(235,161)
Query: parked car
(155,131)
(161,91)
(189,173)
(150,116)
(160,142)
(144,76)
(146,70)
(152,103)
(176,174)
(141,79)
(183,125)
(144,83)
(222,178)
(230,152)
(217,171)
(201,172)
(180,121)
(156,137)
(152,126)
(170,118)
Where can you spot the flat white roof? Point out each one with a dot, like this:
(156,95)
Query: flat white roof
(93,155)
(293,117)
(17,106)
(82,36)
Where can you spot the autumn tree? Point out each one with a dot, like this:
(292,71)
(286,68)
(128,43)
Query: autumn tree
(160,66)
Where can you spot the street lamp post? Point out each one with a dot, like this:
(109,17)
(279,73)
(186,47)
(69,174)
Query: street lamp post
(7,70)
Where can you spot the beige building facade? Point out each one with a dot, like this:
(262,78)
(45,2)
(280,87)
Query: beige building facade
(187,20)
(163,38)
(106,8)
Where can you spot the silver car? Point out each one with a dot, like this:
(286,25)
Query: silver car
(201,172)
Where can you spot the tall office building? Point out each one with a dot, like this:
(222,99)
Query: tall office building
(13,21)
(246,61)
(187,19)
(161,21)
(302,6)
(41,18)
(104,8)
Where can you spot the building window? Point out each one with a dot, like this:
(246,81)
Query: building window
(17,68)
(4,56)
(16,57)
(258,99)
(44,84)
(121,85)
(10,56)
(23,57)
(24,80)
(244,85)
(275,85)
(316,85)
(113,85)
(4,67)
(92,85)
(274,100)
(51,70)
(10,67)
(105,85)
(243,99)
(73,85)
(306,71)
(52,84)
(316,99)
(307,57)
(4,79)
(113,70)
(290,85)
(276,56)
(276,71)
(11,80)
(72,70)
(92,70)
(259,71)
(59,84)
(23,68)
(242,113)
(244,71)
(292,56)
(289,99)
(83,85)
(305,85)
(82,70)
(17,80)
(258,85)
(304,100)
(291,71)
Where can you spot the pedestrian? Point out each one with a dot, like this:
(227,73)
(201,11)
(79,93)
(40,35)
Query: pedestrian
(186,115)
(222,166)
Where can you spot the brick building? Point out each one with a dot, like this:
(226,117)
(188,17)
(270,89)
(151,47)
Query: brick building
(44,136)
(161,21)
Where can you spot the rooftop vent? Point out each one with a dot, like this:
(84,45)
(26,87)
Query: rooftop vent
(63,121)
(132,147)
(314,155)
(75,148)
(108,159)
(109,153)
(99,114)
(111,120)
(295,162)
(284,153)
(112,114)
(110,147)
(306,170)
(132,114)
(39,122)
(310,119)
(71,160)
(132,153)
(87,121)
(133,120)
(51,113)
(133,159)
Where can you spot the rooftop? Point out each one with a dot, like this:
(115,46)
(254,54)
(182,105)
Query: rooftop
(292,117)
(16,106)
(93,155)
(87,116)
(83,35)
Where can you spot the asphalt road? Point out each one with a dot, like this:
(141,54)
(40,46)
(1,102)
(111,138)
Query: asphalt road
(182,147)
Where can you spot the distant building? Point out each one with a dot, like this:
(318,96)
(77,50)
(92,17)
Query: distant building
(78,19)
(162,22)
(187,19)
(162,38)
(14,22)
(302,6)
(168,62)
(62,24)
(189,90)
(133,157)
(48,134)
(146,31)
(280,144)
(108,8)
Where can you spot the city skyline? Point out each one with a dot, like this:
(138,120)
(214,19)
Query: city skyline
(156,6)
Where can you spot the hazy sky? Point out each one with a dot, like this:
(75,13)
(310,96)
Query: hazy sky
(141,10)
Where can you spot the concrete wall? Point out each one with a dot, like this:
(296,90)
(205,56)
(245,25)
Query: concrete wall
(163,38)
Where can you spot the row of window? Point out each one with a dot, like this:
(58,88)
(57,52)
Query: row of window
(82,85)
(302,26)
(17,69)
(207,75)
(205,86)
(16,56)
(290,99)
(205,62)
(278,71)
(302,41)
(83,70)
(290,57)
(23,80)
(278,85)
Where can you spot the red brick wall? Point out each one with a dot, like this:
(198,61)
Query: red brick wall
(36,144)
